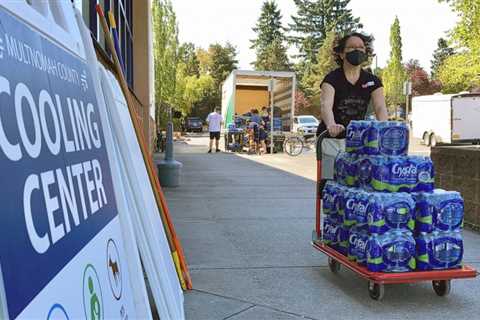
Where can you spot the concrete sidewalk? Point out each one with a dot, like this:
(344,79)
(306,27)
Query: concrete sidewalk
(246,227)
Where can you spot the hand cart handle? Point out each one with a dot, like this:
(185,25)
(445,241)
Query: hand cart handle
(320,138)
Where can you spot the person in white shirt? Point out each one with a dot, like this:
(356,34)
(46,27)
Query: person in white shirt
(214,121)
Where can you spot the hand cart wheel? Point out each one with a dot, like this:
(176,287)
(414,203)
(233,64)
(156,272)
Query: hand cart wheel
(376,290)
(334,265)
(441,287)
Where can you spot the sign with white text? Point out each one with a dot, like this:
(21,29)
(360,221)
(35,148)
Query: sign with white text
(61,247)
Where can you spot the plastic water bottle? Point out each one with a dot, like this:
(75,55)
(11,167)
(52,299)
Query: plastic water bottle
(328,198)
(330,234)
(441,211)
(341,194)
(402,174)
(349,211)
(390,211)
(356,136)
(361,216)
(393,251)
(345,171)
(357,245)
(390,138)
(343,235)
(439,250)
(364,172)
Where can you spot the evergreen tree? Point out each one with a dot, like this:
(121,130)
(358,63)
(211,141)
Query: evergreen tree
(325,63)
(222,61)
(313,21)
(394,75)
(269,44)
(439,55)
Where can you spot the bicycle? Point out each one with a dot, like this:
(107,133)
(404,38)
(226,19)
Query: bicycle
(295,144)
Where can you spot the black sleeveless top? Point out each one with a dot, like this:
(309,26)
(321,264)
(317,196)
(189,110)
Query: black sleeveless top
(350,101)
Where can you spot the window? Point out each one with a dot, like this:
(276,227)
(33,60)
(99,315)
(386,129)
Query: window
(307,120)
(122,11)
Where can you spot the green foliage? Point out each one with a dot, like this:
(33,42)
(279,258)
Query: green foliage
(394,74)
(460,71)
(466,32)
(187,54)
(221,61)
(269,26)
(218,61)
(269,44)
(439,55)
(314,19)
(272,58)
(165,43)
(191,89)
(325,63)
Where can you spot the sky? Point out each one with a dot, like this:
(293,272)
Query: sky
(422,22)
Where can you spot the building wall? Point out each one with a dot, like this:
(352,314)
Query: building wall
(458,169)
(134,27)
(143,62)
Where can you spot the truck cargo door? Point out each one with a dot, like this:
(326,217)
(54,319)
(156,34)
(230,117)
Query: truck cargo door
(465,118)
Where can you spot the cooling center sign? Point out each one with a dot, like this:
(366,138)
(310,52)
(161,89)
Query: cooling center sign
(61,251)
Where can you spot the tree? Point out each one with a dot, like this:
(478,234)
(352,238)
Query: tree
(466,32)
(442,52)
(314,19)
(304,106)
(187,54)
(269,44)
(165,43)
(421,84)
(461,71)
(273,57)
(191,89)
(222,61)
(325,63)
(394,74)
(218,61)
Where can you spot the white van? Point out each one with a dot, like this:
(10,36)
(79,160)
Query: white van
(446,118)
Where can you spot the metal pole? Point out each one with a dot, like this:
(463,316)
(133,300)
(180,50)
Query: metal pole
(272,84)
(169,138)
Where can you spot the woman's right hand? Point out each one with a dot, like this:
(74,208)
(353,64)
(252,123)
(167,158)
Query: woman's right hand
(335,129)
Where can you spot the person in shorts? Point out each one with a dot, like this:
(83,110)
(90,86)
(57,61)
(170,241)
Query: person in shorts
(214,121)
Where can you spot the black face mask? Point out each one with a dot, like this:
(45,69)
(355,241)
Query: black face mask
(356,57)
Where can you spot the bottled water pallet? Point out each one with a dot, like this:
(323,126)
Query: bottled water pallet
(441,279)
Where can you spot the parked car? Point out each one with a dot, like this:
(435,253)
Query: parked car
(305,124)
(193,124)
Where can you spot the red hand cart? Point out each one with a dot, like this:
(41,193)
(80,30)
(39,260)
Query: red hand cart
(441,279)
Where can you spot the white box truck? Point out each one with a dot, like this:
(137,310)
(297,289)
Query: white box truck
(245,90)
(446,118)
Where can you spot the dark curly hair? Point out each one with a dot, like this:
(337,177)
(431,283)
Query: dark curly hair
(342,42)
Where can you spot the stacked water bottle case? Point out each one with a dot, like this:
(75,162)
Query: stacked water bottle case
(382,210)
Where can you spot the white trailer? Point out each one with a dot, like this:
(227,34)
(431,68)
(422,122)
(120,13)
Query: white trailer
(244,90)
(449,118)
